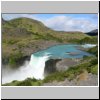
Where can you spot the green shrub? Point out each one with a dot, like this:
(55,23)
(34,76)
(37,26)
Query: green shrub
(94,69)
(24,83)
(12,42)
(55,76)
(92,40)
(93,50)
(14,58)
(12,61)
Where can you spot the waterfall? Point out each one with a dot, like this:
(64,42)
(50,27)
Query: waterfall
(37,64)
(34,68)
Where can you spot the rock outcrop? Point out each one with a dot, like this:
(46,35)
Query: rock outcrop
(64,64)
(54,65)
(50,66)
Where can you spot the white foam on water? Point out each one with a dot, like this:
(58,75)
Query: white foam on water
(88,45)
(34,68)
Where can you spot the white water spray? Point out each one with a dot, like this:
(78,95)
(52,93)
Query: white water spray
(34,68)
(88,45)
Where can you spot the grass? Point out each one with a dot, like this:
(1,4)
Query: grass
(55,76)
(46,36)
(26,82)
(94,69)
(14,58)
(91,40)
(29,82)
(94,50)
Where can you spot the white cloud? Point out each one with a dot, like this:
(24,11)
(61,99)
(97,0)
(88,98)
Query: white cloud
(64,23)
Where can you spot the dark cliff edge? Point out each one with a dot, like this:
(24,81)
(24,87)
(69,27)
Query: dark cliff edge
(50,66)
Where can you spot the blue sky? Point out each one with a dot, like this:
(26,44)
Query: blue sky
(62,22)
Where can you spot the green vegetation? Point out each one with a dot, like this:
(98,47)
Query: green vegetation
(10,42)
(94,69)
(59,76)
(91,40)
(26,82)
(15,58)
(47,37)
(93,50)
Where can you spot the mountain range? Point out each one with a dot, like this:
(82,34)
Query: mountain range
(93,32)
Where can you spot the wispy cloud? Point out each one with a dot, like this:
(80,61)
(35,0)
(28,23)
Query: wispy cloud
(65,23)
(61,22)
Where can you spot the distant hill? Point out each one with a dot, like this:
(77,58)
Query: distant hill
(21,29)
(93,32)
(31,25)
